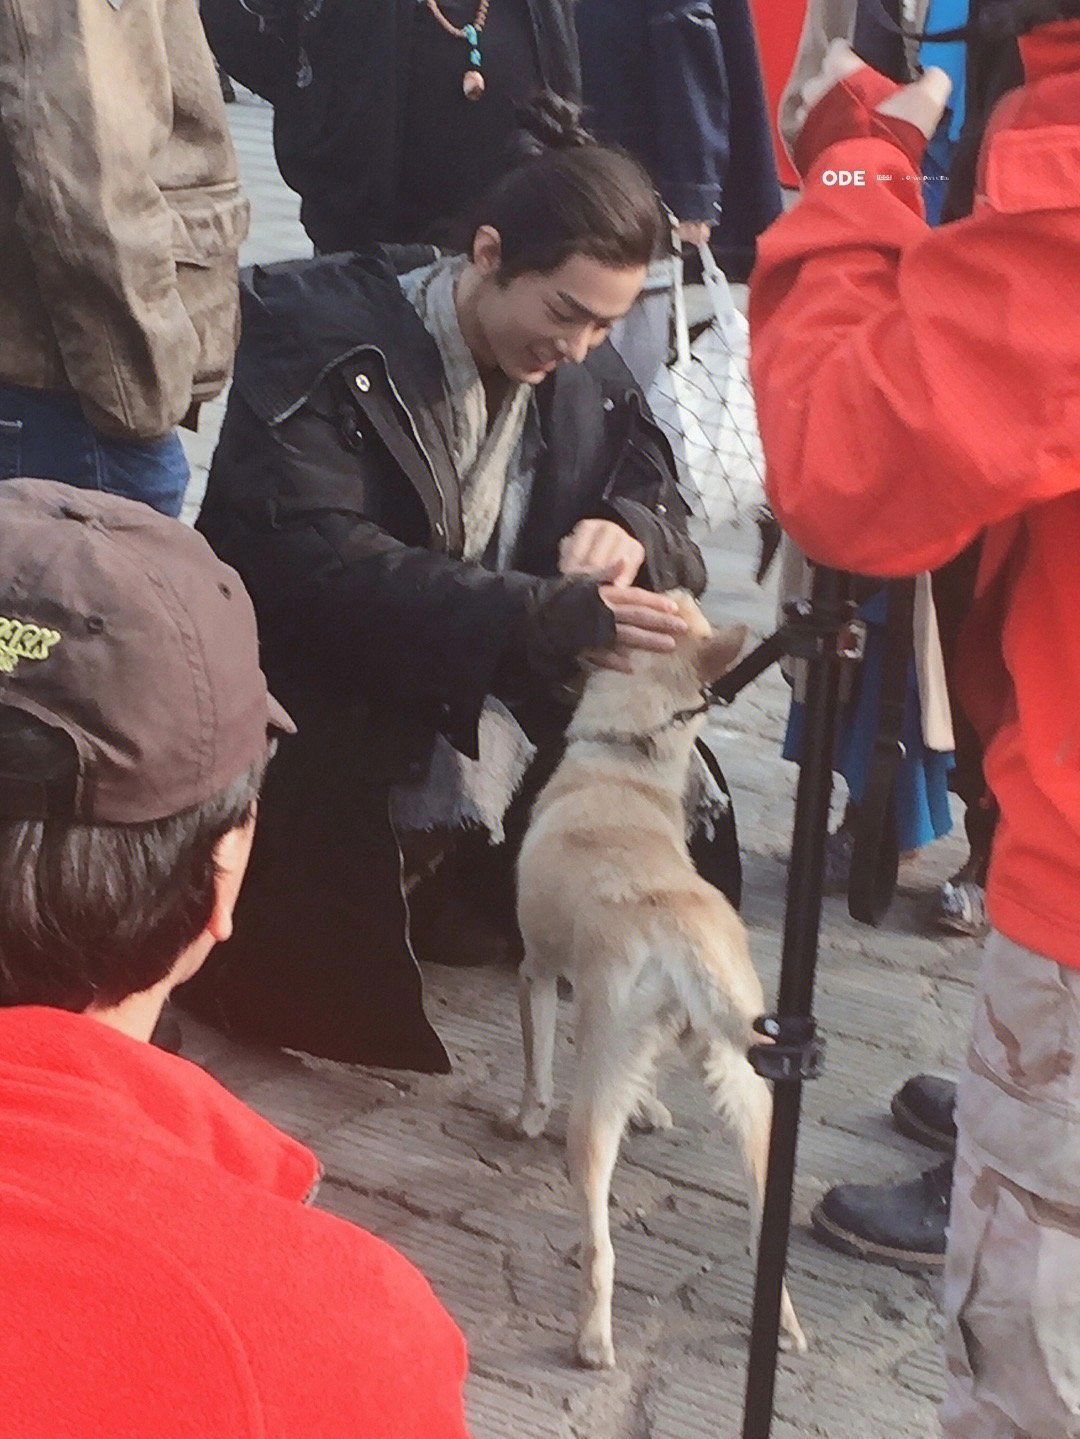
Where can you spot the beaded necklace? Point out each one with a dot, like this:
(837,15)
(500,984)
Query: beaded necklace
(472,81)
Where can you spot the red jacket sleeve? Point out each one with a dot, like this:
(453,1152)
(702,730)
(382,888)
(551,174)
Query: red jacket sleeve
(913,385)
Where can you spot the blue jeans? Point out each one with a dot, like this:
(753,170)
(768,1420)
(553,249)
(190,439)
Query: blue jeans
(46,436)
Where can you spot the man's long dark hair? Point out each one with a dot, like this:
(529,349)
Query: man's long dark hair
(993,68)
(565,194)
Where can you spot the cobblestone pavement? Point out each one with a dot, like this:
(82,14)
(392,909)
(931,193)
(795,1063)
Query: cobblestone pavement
(489,1221)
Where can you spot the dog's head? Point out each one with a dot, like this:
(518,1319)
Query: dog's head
(661,683)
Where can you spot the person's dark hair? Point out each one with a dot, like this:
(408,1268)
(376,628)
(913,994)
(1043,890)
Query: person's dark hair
(90,914)
(565,194)
(992,20)
(993,68)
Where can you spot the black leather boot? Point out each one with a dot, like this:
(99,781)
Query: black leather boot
(899,1224)
(923,1109)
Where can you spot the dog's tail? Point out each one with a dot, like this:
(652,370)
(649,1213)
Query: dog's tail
(697,998)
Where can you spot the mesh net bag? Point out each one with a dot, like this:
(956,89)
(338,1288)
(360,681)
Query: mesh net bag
(703,401)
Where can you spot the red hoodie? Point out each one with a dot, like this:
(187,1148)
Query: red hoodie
(161,1277)
(918,386)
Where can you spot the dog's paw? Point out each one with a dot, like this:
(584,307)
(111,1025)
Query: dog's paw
(793,1341)
(595,1351)
(649,1114)
(526,1123)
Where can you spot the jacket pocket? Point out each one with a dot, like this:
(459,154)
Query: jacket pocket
(209,222)
(10,449)
(1033,169)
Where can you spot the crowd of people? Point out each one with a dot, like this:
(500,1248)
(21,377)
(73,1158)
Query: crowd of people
(438,497)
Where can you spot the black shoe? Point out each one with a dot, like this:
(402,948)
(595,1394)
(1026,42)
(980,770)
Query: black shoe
(923,1109)
(899,1224)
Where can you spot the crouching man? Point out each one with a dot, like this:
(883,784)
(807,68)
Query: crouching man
(160,1272)
(443,491)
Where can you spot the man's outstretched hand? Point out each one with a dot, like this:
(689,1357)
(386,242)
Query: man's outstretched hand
(643,621)
(612,556)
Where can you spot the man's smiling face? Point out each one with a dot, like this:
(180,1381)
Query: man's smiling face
(532,323)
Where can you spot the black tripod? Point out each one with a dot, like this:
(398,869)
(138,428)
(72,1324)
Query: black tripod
(823,632)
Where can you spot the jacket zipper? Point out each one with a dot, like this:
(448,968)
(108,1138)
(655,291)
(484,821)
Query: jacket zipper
(403,407)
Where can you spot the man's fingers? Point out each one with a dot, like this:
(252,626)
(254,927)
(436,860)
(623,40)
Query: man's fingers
(636,638)
(602,549)
(694,232)
(646,619)
(621,596)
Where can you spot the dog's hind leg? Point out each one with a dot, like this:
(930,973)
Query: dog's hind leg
(613,1061)
(537,1003)
(743,1101)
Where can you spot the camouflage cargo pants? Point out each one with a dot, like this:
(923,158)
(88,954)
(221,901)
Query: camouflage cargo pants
(1012,1278)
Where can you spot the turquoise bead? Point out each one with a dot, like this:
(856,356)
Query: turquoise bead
(474,57)
(469,31)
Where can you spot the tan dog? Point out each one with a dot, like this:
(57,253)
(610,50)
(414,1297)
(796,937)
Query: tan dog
(608,897)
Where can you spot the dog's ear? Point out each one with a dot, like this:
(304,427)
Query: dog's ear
(720,651)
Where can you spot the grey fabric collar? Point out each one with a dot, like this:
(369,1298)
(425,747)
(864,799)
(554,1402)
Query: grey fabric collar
(486,448)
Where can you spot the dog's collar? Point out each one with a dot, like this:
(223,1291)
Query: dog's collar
(645,744)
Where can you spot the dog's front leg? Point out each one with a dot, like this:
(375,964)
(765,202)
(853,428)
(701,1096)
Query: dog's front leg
(538,1003)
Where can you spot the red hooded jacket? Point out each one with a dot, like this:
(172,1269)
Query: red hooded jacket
(918,386)
(160,1275)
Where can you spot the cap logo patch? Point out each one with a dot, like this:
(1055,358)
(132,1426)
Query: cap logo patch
(19,641)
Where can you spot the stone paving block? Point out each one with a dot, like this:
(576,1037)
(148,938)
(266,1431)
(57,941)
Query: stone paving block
(497,1411)
(358,1089)
(687,1402)
(302,1106)
(543,1281)
(839,1403)
(702,1158)
(868,1007)
(395,1151)
(894,1297)
(517,1226)
(725,1289)
(718,1231)
(923,1372)
(840,1155)
(466,1271)
(652,1266)
(383,1217)
(534,1358)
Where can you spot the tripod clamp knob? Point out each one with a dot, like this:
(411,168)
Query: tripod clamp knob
(794,1053)
(823,631)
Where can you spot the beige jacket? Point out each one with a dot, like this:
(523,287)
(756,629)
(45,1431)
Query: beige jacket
(120,210)
(828,20)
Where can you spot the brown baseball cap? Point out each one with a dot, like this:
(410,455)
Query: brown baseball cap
(123,629)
